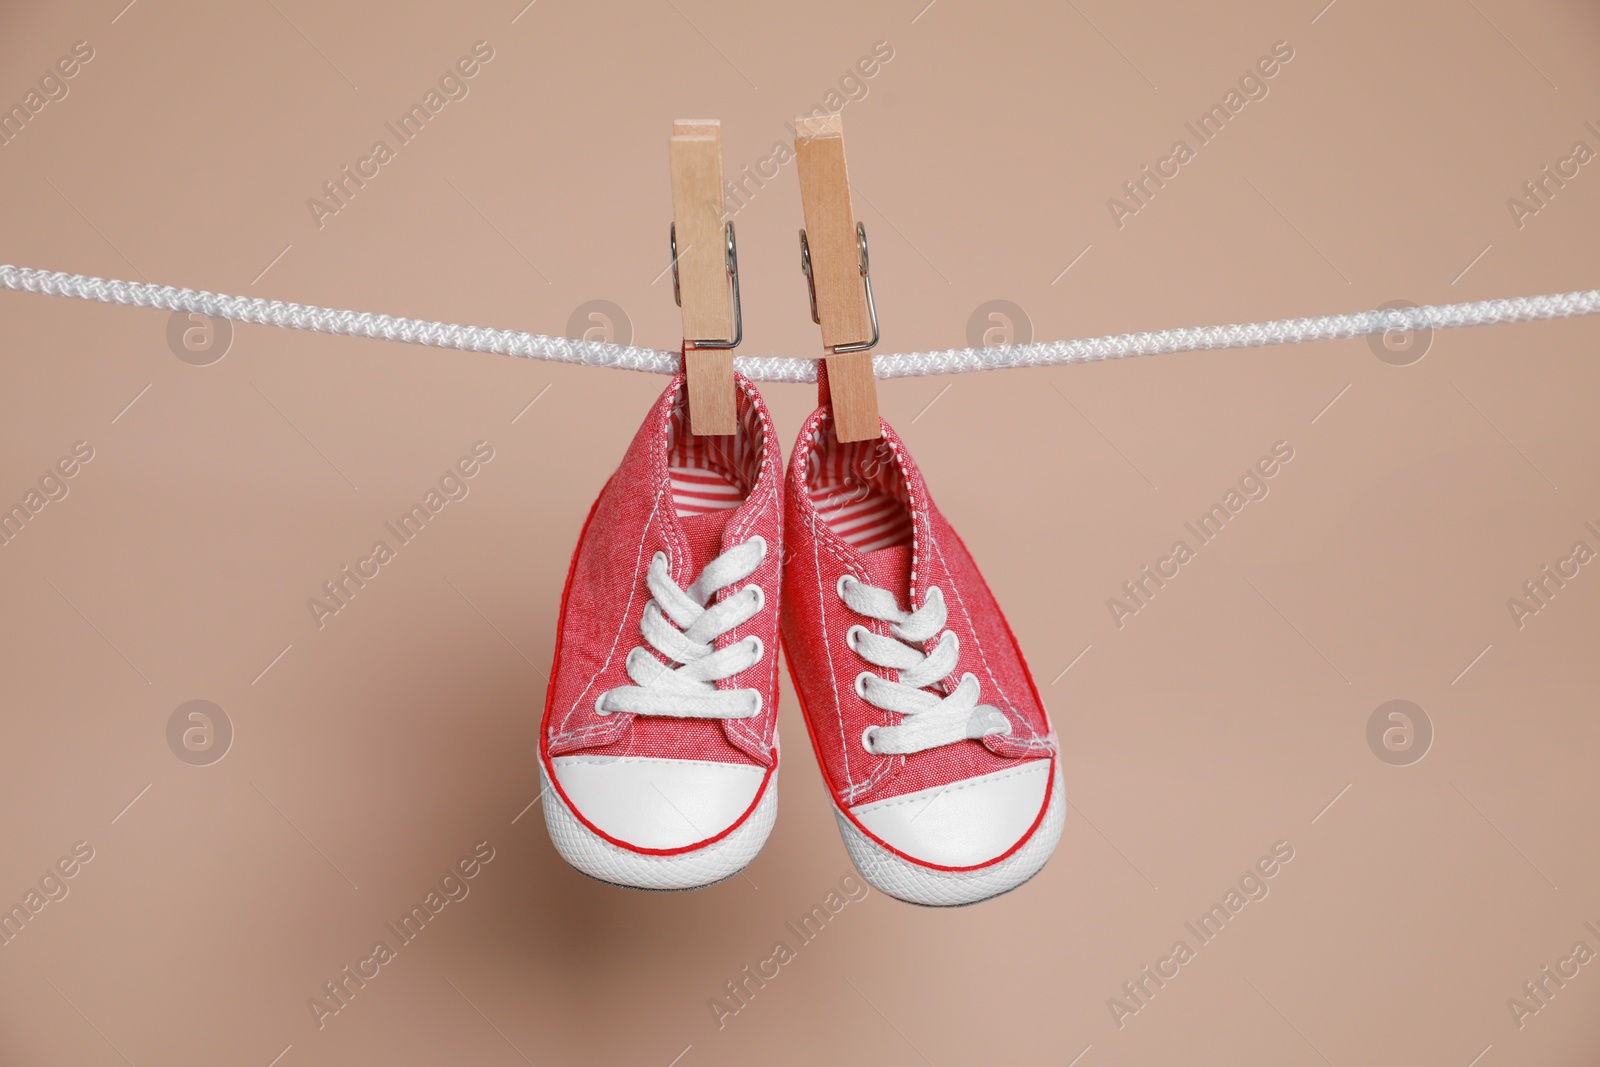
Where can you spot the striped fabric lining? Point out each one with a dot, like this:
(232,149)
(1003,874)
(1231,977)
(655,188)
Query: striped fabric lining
(712,473)
(699,490)
(857,490)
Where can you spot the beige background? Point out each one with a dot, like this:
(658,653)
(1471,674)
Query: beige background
(1228,715)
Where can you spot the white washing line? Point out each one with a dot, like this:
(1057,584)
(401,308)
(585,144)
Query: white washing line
(764,369)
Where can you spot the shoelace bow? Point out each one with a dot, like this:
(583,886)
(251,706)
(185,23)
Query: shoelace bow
(929,718)
(677,624)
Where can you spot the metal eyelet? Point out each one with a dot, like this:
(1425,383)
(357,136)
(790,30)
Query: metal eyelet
(861,683)
(761,596)
(852,635)
(866,740)
(761,648)
(757,702)
(839,585)
(598,701)
(763,541)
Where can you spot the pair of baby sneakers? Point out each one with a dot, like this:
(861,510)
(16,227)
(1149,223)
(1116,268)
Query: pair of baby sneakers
(658,752)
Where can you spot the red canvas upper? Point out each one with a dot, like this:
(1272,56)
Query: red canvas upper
(855,479)
(634,518)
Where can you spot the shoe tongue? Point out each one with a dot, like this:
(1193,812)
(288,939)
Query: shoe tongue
(704,534)
(890,568)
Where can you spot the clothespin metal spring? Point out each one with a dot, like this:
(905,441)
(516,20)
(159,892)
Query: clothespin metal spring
(733,281)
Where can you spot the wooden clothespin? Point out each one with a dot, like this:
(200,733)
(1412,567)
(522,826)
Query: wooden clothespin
(833,255)
(705,274)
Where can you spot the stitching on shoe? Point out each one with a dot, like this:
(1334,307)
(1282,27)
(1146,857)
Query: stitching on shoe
(880,773)
(977,640)
(917,509)
(881,805)
(749,522)
(606,760)
(827,644)
(740,725)
(621,624)
(824,538)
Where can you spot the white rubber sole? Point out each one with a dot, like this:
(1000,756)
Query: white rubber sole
(916,884)
(598,858)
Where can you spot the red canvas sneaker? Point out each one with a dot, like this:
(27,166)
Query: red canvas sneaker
(932,737)
(658,753)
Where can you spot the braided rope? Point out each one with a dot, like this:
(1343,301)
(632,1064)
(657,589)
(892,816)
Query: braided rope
(766,369)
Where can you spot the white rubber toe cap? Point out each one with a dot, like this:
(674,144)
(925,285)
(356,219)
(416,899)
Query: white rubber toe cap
(964,824)
(653,803)
(919,884)
(600,858)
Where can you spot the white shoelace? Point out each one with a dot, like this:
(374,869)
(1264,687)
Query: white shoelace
(689,638)
(930,720)
(774,369)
